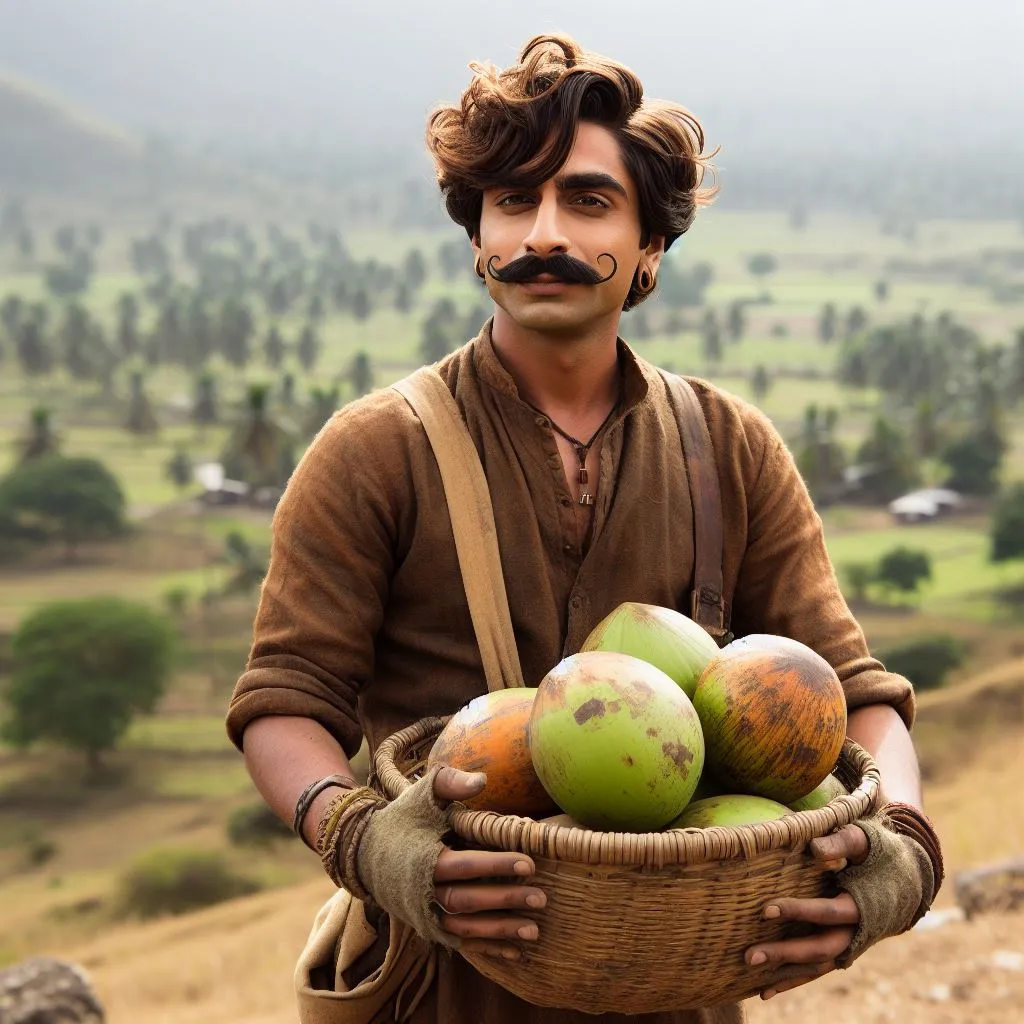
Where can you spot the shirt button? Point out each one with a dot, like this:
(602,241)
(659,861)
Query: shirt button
(566,501)
(569,549)
(541,422)
(576,602)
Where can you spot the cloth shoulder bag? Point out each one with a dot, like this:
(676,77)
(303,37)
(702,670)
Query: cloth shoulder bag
(341,933)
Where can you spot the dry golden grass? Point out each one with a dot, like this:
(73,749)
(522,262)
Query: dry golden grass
(233,963)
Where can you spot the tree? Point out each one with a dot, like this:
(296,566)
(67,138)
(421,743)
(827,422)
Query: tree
(322,404)
(889,466)
(259,451)
(859,576)
(128,342)
(762,264)
(250,566)
(737,322)
(856,320)
(414,269)
(32,347)
(403,297)
(711,338)
(179,469)
(827,323)
(760,382)
(70,500)
(360,374)
(41,439)
(453,258)
(235,330)
(904,569)
(1007,530)
(1015,375)
(308,348)
(204,406)
(315,311)
(12,310)
(362,308)
(140,418)
(819,457)
(974,460)
(83,670)
(881,290)
(273,348)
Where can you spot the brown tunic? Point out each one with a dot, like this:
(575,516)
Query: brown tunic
(363,623)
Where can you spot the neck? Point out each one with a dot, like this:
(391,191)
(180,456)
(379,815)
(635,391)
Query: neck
(561,373)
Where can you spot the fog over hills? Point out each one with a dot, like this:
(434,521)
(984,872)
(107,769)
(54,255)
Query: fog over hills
(900,80)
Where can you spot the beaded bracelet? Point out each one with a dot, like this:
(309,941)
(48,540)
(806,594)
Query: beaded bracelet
(340,829)
(311,792)
(908,820)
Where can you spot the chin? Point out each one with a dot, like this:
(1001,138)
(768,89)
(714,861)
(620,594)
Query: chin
(551,316)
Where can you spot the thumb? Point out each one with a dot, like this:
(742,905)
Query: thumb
(453,784)
(849,844)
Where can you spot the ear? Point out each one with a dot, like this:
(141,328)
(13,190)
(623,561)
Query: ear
(654,251)
(474,241)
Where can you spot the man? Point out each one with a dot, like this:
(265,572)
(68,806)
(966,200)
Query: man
(571,187)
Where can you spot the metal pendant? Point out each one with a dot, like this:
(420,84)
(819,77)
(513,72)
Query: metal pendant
(586,499)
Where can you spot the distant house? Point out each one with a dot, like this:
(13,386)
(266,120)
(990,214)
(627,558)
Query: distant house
(924,505)
(217,488)
(220,489)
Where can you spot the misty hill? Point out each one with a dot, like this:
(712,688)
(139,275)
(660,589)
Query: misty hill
(50,145)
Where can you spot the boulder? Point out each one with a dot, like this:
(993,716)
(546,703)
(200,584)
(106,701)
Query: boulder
(993,888)
(47,991)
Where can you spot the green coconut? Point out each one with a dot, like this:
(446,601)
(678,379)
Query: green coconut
(730,809)
(660,636)
(825,792)
(615,742)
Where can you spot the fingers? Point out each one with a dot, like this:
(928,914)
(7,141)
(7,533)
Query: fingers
(467,865)
(834,851)
(467,898)
(837,910)
(820,948)
(492,948)
(490,926)
(794,977)
(452,784)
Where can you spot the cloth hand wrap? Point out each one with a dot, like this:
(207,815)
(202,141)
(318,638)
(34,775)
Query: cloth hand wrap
(397,856)
(892,888)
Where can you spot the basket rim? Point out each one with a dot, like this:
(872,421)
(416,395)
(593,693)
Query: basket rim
(578,845)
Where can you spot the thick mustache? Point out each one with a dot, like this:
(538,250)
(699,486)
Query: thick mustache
(561,266)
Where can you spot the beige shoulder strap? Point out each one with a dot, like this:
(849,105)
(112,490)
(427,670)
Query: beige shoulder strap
(707,602)
(469,506)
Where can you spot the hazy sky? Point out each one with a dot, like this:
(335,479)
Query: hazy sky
(371,69)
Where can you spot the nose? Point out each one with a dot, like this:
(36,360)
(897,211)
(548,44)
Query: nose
(547,233)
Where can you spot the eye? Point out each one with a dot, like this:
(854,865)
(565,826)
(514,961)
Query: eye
(514,199)
(591,200)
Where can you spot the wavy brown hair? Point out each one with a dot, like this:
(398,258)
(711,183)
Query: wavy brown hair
(516,127)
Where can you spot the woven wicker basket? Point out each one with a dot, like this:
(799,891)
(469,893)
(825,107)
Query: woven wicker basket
(642,923)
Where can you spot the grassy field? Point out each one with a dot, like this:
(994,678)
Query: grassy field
(175,779)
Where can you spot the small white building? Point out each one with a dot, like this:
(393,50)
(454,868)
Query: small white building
(924,505)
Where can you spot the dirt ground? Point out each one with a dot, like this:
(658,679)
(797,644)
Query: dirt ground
(961,973)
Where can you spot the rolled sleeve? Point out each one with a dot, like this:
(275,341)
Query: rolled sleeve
(322,602)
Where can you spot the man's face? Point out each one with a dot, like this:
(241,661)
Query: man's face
(589,211)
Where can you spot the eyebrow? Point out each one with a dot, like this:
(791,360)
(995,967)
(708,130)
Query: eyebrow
(590,179)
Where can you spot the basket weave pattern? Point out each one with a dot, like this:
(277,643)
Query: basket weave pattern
(642,923)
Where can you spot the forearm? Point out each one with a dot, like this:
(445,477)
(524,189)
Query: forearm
(879,729)
(283,755)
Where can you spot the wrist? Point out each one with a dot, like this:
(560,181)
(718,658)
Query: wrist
(907,820)
(317,793)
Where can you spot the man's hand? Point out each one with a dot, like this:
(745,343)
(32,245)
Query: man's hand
(475,900)
(799,961)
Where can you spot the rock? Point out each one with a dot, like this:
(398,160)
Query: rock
(47,991)
(1008,960)
(996,887)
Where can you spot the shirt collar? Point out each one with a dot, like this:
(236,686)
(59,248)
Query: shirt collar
(636,373)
